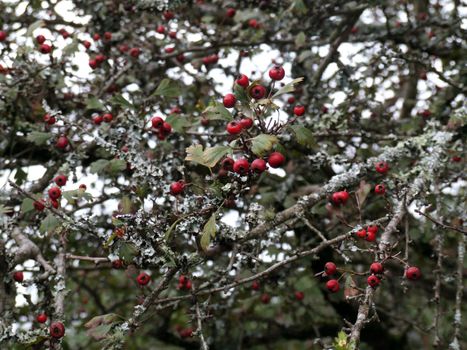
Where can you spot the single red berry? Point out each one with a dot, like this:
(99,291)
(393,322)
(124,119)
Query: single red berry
(241,166)
(107,117)
(60,180)
(382,167)
(229,100)
(299,295)
(57,330)
(330,268)
(370,236)
(291,100)
(100,58)
(143,279)
(18,276)
(41,318)
(253,23)
(227,163)
(93,63)
(276,159)
(182,279)
(373,281)
(3,35)
(135,52)
(255,285)
(169,49)
(82,187)
(340,197)
(96,37)
(265,298)
(157,122)
(87,44)
(50,120)
(380,189)
(230,12)
(234,128)
(168,15)
(277,73)
(373,228)
(160,29)
(108,36)
(39,205)
(258,92)
(333,286)
(456,159)
(188,285)
(204,121)
(180,58)
(186,333)
(123,48)
(361,233)
(413,273)
(425,113)
(45,48)
(177,187)
(64,33)
(243,81)
(166,128)
(97,119)
(54,203)
(246,123)
(173,34)
(376,268)
(117,264)
(258,165)
(299,110)
(54,193)
(40,39)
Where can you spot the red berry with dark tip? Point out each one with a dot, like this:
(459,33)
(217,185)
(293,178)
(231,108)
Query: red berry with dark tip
(97,119)
(93,63)
(241,166)
(18,276)
(255,285)
(370,236)
(41,318)
(135,52)
(107,117)
(373,228)
(87,44)
(54,193)
(160,29)
(157,122)
(166,128)
(227,163)
(299,110)
(361,233)
(340,197)
(60,180)
(277,73)
(330,268)
(234,128)
(45,48)
(40,39)
(332,286)
(143,279)
(57,330)
(246,123)
(230,12)
(373,281)
(258,165)
(382,167)
(258,92)
(243,81)
(376,268)
(413,273)
(229,100)
(177,188)
(276,159)
(380,189)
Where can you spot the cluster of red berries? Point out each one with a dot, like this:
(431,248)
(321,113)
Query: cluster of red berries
(56,329)
(332,285)
(160,128)
(369,234)
(143,279)
(184,283)
(97,61)
(340,198)
(242,166)
(98,119)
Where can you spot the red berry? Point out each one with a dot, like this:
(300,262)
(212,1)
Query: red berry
(177,187)
(87,44)
(382,167)
(246,123)
(82,187)
(425,113)
(330,268)
(277,73)
(100,58)
(135,52)
(265,298)
(361,233)
(188,285)
(166,128)
(253,23)
(18,276)
(107,35)
(340,197)
(143,279)
(168,15)
(376,268)
(60,180)
(258,165)
(333,286)
(40,39)
(169,49)
(45,48)
(227,163)
(456,159)
(234,128)
(186,333)
(380,189)
(107,117)
(255,285)
(182,279)
(157,122)
(299,295)
(373,228)
(229,100)
(97,119)
(160,29)
(57,330)
(172,34)
(299,110)
(49,119)
(241,166)
(370,236)
(230,12)
(64,33)
(243,80)
(96,37)
(41,318)
(3,35)
(117,264)
(39,205)
(373,281)
(291,100)
(93,63)
(258,92)
(276,159)
(180,58)
(354,30)
(123,48)
(54,193)
(413,273)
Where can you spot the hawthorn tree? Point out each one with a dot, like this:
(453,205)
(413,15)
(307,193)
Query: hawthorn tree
(232,174)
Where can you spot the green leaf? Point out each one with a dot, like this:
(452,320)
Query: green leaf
(38,138)
(300,40)
(194,153)
(126,205)
(98,166)
(263,143)
(217,111)
(299,7)
(116,166)
(122,101)
(20,176)
(72,47)
(177,122)
(49,224)
(127,251)
(209,231)
(168,88)
(94,104)
(34,26)
(212,155)
(290,87)
(27,205)
(303,135)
